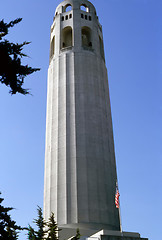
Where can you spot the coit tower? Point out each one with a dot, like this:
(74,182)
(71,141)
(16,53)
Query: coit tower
(80,168)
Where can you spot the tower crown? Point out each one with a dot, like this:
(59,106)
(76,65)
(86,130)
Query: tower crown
(76,27)
(75,4)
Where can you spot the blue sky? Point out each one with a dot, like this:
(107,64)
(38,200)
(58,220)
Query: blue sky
(133,49)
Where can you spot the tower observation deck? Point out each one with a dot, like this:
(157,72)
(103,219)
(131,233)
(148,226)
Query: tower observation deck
(80,167)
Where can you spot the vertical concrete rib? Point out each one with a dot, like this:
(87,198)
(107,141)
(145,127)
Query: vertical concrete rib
(51,139)
(71,141)
(81,156)
(61,198)
(54,139)
(47,178)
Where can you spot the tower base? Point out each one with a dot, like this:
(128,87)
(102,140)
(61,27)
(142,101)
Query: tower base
(90,234)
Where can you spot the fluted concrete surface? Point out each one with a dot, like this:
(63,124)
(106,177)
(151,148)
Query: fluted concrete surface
(80,168)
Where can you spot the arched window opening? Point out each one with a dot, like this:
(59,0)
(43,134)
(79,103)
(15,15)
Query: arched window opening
(68,8)
(101,48)
(52,47)
(86,37)
(84,8)
(66,37)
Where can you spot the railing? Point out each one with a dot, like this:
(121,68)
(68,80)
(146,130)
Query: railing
(66,48)
(88,48)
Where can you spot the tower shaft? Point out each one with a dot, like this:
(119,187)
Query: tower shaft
(80,168)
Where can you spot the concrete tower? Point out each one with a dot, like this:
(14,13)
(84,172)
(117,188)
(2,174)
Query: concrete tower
(80,168)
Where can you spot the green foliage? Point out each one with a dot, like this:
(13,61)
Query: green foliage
(40,223)
(52,228)
(8,228)
(31,233)
(46,230)
(12,72)
(77,236)
(4,27)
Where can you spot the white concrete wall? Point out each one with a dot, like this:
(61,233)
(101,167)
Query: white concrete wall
(80,168)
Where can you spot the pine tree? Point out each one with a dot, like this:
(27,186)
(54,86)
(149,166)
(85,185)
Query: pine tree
(12,72)
(40,223)
(77,236)
(52,228)
(8,228)
(31,233)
